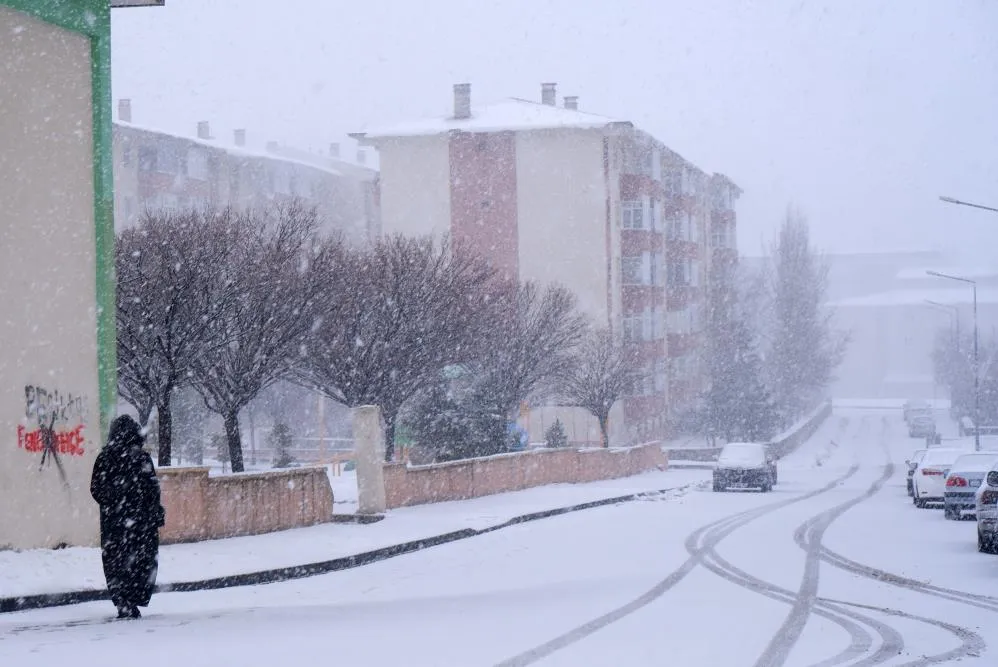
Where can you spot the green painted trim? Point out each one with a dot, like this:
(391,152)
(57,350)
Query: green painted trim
(84,16)
(107,363)
(92,18)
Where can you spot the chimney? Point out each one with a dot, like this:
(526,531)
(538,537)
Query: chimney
(334,150)
(240,137)
(361,156)
(125,110)
(572,102)
(204,131)
(462,101)
(548,93)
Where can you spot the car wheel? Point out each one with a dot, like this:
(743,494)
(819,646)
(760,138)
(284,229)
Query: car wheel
(949,514)
(718,487)
(986,544)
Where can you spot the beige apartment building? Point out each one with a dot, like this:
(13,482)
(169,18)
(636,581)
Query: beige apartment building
(156,170)
(556,194)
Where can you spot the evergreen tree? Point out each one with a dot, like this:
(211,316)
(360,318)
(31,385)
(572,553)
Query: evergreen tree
(737,405)
(280,443)
(555,435)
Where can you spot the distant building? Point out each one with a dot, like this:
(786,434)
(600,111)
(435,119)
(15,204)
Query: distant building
(894,321)
(156,170)
(555,194)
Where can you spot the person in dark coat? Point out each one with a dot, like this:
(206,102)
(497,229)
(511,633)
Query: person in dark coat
(125,486)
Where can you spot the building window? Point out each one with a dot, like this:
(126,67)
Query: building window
(197,164)
(126,154)
(677,226)
(632,214)
(661,376)
(147,158)
(673,183)
(167,161)
(684,273)
(632,328)
(632,269)
(694,226)
(129,209)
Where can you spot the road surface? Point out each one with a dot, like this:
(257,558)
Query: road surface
(834,567)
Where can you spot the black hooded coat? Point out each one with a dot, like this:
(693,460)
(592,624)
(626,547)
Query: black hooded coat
(125,486)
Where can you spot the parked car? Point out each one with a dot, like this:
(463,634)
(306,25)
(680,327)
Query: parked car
(744,465)
(929,480)
(912,463)
(986,502)
(921,426)
(916,406)
(965,475)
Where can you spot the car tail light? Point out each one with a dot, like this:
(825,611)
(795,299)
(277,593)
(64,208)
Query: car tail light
(956,481)
(989,498)
(931,471)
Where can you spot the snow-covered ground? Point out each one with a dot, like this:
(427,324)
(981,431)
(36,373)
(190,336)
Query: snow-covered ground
(694,579)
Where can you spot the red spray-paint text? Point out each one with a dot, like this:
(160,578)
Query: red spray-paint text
(66,441)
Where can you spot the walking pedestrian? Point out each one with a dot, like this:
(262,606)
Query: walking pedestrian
(125,486)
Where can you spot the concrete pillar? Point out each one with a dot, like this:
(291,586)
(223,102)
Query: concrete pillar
(369,447)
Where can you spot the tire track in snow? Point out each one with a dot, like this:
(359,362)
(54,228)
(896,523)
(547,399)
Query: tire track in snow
(730,523)
(809,536)
(861,639)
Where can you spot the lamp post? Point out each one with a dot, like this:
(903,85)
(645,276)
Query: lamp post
(959,202)
(977,369)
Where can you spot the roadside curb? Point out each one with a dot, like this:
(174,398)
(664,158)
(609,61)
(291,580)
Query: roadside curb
(275,575)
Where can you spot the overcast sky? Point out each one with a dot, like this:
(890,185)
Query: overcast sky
(861,112)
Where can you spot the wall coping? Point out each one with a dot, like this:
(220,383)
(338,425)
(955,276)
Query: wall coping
(541,451)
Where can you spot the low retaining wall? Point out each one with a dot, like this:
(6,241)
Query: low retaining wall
(199,507)
(471,478)
(780,446)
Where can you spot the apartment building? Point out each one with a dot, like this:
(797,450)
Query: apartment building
(156,170)
(556,194)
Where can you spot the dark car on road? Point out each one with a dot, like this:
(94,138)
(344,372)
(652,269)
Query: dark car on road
(744,465)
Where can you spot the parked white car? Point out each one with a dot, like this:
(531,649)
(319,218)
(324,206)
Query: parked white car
(964,477)
(929,480)
(986,500)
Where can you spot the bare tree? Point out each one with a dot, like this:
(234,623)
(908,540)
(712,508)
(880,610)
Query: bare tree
(273,271)
(170,294)
(604,371)
(530,345)
(392,318)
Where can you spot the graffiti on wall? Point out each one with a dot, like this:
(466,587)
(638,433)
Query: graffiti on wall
(53,425)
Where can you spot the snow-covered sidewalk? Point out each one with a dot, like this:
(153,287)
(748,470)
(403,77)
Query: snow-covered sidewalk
(75,569)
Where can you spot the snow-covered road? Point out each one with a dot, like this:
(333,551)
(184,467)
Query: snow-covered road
(835,567)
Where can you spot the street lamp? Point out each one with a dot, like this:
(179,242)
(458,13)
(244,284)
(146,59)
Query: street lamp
(951,200)
(977,368)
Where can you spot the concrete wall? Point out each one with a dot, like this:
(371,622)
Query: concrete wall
(48,358)
(472,478)
(415,186)
(199,507)
(561,199)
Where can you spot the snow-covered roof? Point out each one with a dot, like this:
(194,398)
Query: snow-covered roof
(238,151)
(918,297)
(510,114)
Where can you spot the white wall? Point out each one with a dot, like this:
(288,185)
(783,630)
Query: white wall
(562,213)
(415,185)
(47,279)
